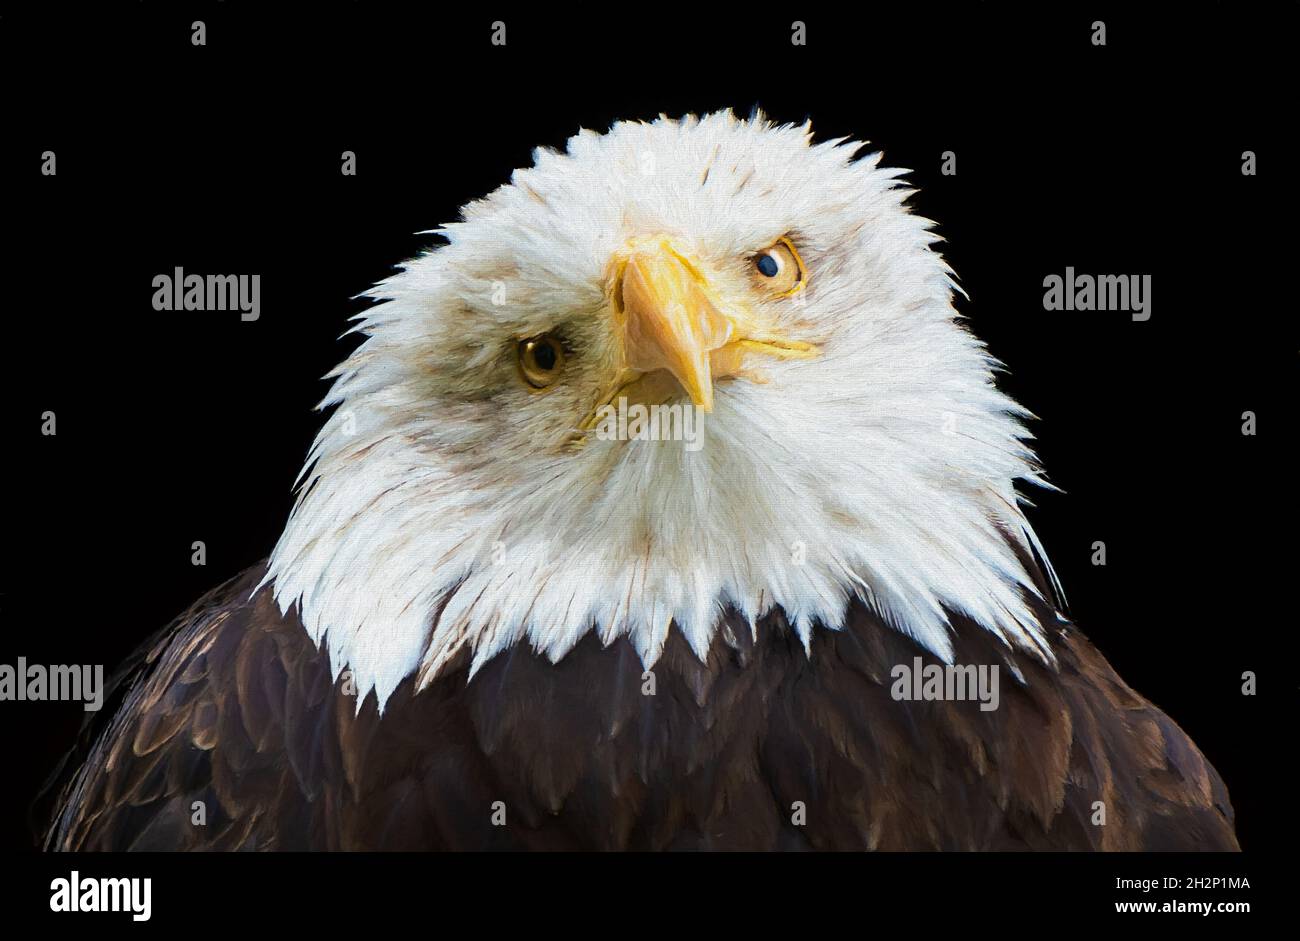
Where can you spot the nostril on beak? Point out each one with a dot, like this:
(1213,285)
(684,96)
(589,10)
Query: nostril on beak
(620,301)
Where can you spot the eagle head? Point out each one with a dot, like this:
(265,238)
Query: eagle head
(681,368)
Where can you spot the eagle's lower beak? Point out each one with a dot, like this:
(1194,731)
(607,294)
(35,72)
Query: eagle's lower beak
(670,318)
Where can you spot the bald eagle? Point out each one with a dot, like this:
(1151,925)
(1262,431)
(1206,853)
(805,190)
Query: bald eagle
(658,508)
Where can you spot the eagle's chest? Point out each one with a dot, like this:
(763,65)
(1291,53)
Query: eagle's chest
(760,746)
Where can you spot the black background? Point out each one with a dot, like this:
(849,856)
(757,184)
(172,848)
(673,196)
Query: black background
(1125,159)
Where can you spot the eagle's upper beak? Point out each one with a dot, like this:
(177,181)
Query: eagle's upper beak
(671,315)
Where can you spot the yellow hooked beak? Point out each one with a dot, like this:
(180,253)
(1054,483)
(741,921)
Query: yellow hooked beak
(671,316)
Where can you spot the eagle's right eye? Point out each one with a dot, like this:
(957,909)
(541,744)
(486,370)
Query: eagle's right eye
(541,360)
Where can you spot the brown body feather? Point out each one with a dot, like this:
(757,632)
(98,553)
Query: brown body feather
(235,708)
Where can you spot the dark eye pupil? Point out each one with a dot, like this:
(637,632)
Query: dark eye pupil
(767,266)
(544,356)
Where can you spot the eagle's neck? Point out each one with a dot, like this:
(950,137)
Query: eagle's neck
(404,563)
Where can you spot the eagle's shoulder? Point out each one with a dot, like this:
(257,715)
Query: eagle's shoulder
(1158,791)
(221,738)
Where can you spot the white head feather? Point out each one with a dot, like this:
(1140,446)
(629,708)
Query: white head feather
(442,509)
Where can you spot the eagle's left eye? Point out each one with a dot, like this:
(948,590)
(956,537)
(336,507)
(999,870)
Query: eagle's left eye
(779,270)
